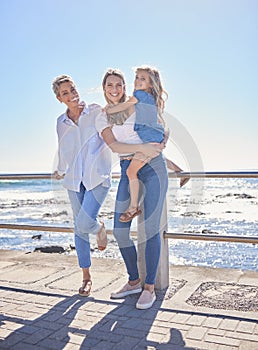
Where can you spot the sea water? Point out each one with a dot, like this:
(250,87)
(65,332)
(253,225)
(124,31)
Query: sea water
(213,206)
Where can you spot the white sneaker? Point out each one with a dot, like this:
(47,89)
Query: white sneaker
(127,289)
(146,300)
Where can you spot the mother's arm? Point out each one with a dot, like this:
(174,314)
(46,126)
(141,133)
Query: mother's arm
(150,150)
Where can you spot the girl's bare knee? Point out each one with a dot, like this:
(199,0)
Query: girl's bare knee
(131,174)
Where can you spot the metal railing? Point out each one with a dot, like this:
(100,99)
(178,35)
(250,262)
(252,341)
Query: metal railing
(195,174)
(179,236)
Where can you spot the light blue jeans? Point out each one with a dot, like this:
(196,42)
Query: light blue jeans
(85,206)
(153,183)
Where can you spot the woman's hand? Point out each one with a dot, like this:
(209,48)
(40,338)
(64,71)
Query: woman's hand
(56,176)
(151,150)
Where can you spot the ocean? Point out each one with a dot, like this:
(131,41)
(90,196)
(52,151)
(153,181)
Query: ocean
(217,206)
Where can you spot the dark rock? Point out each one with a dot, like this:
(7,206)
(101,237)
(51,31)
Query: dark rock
(36,237)
(210,232)
(50,249)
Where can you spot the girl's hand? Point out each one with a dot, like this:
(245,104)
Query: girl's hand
(105,109)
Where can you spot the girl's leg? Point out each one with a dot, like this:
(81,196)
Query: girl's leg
(135,165)
(132,211)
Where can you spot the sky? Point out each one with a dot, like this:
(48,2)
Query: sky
(206,51)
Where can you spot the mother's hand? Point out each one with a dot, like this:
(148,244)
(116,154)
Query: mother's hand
(151,150)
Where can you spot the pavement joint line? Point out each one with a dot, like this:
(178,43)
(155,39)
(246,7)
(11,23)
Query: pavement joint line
(36,292)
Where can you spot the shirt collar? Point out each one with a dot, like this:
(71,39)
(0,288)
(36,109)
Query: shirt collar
(85,110)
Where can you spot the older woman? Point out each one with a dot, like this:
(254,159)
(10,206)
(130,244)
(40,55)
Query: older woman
(85,164)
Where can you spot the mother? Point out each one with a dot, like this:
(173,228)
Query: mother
(154,182)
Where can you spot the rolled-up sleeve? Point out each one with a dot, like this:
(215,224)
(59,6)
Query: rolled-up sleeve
(101,122)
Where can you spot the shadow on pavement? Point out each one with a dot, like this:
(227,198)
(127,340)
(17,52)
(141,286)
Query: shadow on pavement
(73,320)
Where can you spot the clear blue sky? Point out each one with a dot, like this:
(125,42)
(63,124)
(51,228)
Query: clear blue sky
(206,51)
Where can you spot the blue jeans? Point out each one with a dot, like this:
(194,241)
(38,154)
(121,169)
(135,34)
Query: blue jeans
(153,179)
(85,205)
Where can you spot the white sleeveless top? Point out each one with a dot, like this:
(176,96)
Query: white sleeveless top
(123,133)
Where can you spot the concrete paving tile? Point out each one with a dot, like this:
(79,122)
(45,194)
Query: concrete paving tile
(196,320)
(225,347)
(37,337)
(161,330)
(243,336)
(179,326)
(130,332)
(70,346)
(128,342)
(218,332)
(104,345)
(23,346)
(165,316)
(221,340)
(196,333)
(132,323)
(27,274)
(49,343)
(248,345)
(191,344)
(181,318)
(28,329)
(229,325)
(13,338)
(246,327)
(5,332)
(154,337)
(76,338)
(212,322)
(12,326)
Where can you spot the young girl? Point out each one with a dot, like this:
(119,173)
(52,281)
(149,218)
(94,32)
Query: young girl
(149,125)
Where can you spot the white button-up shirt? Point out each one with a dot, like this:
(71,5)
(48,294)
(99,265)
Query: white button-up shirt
(82,155)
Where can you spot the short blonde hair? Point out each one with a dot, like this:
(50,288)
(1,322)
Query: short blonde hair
(60,80)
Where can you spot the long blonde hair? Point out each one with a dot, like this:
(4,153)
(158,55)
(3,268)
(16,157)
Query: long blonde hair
(120,117)
(158,92)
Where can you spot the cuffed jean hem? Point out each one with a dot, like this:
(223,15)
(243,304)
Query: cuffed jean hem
(83,252)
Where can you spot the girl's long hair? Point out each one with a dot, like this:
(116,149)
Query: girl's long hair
(159,93)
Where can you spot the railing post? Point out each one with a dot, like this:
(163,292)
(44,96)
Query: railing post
(162,280)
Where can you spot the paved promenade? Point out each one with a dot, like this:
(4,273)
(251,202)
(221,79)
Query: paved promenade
(203,308)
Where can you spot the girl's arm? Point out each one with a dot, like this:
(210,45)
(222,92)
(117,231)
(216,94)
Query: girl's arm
(150,150)
(120,107)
